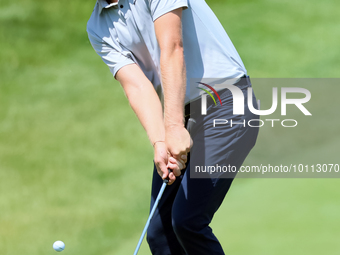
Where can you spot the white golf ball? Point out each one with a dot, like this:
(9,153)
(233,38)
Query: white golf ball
(58,246)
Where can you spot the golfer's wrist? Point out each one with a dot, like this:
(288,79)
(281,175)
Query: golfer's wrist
(158,142)
(173,120)
(171,126)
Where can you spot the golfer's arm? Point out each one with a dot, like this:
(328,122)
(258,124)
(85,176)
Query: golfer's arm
(169,36)
(143,100)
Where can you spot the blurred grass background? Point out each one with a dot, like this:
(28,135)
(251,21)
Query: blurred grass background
(75,164)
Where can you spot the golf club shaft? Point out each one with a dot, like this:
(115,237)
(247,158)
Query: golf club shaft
(165,182)
(190,124)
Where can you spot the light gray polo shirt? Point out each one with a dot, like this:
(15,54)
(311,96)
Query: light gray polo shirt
(123,33)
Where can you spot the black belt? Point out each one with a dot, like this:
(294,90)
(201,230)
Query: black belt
(195,104)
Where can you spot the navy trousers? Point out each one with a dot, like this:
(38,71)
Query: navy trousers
(181,222)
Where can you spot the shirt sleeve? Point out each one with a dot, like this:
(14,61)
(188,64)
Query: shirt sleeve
(113,58)
(161,7)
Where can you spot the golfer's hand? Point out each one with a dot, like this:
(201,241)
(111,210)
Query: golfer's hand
(178,142)
(161,162)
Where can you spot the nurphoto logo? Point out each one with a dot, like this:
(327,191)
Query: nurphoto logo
(238,104)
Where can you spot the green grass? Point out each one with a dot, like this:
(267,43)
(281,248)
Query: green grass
(75,164)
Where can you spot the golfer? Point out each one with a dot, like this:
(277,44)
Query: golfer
(154,48)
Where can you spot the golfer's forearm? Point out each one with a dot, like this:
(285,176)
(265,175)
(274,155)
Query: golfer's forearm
(172,66)
(174,84)
(148,109)
(143,100)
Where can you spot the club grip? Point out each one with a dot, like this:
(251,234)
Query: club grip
(166,180)
(190,124)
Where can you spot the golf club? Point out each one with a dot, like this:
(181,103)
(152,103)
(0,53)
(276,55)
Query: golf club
(190,124)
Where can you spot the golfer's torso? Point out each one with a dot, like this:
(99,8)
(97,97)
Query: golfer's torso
(208,51)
